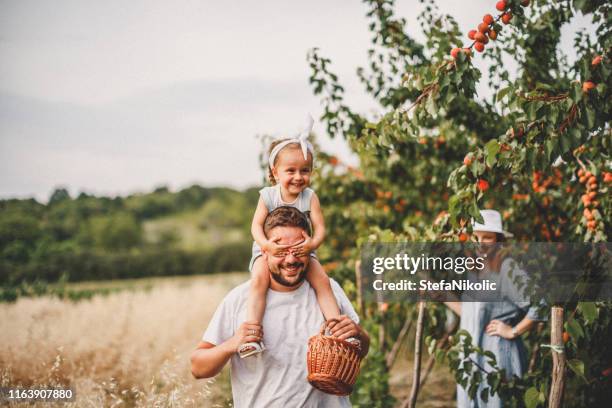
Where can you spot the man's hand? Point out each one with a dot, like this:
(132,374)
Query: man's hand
(247,332)
(303,248)
(344,328)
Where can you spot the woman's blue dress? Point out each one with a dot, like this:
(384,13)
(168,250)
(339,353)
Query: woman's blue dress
(510,355)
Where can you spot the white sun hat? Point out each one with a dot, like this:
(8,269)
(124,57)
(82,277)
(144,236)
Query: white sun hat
(492,223)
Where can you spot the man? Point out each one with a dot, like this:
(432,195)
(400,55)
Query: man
(276,377)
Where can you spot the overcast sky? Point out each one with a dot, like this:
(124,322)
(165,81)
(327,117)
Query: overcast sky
(114,97)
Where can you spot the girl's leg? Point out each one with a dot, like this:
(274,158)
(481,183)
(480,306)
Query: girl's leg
(256,303)
(319,280)
(260,282)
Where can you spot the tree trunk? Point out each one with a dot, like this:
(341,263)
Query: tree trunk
(381,330)
(392,355)
(555,398)
(416,377)
(441,344)
(360,304)
(536,349)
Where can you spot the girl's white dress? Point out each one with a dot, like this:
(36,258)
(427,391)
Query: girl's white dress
(272,198)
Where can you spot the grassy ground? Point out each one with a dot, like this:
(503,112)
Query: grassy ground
(438,391)
(131,347)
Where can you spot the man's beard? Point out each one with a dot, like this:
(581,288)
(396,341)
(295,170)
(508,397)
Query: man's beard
(275,272)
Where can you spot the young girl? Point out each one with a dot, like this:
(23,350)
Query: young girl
(290,168)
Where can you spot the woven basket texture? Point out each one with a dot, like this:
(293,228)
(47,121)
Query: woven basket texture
(333,364)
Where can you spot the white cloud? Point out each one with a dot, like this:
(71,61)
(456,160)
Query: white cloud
(117,96)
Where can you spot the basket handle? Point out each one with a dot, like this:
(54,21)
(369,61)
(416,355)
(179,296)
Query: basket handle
(325,323)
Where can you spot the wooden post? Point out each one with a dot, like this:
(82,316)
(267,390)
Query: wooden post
(381,324)
(416,376)
(381,329)
(360,303)
(555,398)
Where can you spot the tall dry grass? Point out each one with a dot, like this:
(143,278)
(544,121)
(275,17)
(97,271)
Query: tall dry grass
(126,349)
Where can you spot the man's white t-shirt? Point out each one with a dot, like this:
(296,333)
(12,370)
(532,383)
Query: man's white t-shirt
(277,377)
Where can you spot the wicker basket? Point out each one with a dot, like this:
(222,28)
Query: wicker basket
(333,364)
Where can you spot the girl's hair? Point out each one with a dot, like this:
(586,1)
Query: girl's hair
(272,145)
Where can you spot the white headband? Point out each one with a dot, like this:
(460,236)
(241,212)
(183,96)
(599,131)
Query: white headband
(301,139)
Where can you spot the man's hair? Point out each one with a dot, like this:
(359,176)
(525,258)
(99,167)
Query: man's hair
(286,216)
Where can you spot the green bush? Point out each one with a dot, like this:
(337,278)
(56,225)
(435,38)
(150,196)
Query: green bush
(83,265)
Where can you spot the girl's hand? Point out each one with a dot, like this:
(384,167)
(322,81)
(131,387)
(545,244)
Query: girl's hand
(303,248)
(275,249)
(247,332)
(501,329)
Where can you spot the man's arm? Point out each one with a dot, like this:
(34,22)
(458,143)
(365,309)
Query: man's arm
(207,360)
(347,325)
(365,340)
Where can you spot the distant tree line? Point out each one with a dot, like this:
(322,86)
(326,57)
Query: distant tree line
(96,238)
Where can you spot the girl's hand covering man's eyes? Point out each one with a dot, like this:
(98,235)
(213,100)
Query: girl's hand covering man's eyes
(276,249)
(303,248)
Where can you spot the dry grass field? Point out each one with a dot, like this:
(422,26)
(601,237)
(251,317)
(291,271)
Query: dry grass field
(131,348)
(126,349)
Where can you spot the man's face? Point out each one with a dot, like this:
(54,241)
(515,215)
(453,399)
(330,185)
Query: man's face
(287,270)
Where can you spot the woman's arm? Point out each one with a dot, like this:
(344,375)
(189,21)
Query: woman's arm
(501,329)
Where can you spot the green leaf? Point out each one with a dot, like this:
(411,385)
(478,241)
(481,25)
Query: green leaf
(576,92)
(532,109)
(445,81)
(452,205)
(490,354)
(549,146)
(503,92)
(431,107)
(589,311)
(484,394)
(577,366)
(553,114)
(531,397)
(491,149)
(574,329)
(590,117)
(580,5)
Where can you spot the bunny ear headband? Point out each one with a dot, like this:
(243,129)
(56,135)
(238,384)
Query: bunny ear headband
(301,139)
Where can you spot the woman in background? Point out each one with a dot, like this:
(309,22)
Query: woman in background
(495,326)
